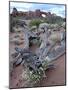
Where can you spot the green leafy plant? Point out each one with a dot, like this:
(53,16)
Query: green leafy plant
(36,76)
(35,23)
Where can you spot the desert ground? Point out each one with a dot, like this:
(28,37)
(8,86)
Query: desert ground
(55,76)
(45,40)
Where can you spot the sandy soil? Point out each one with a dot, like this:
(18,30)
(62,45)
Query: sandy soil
(54,76)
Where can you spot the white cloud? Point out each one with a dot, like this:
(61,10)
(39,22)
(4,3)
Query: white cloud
(25,5)
(20,6)
(58,10)
(45,10)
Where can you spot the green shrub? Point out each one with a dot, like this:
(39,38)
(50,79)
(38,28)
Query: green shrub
(35,77)
(54,20)
(35,23)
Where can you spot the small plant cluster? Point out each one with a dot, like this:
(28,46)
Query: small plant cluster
(35,22)
(37,76)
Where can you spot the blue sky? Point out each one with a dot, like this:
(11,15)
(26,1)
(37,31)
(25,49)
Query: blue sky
(53,8)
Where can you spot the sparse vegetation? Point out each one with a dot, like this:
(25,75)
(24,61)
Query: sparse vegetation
(54,20)
(35,23)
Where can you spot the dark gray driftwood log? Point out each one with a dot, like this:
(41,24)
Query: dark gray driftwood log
(30,59)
